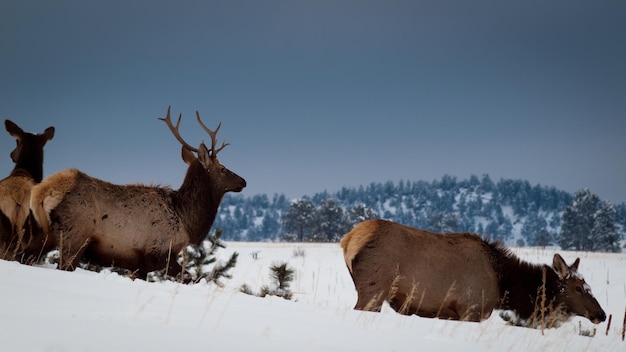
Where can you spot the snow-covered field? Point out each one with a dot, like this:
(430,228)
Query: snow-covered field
(43,309)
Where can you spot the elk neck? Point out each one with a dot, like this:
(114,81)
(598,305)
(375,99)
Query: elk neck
(29,168)
(197,202)
(28,158)
(520,284)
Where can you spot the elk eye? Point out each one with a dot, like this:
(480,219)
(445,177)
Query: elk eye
(223,170)
(579,289)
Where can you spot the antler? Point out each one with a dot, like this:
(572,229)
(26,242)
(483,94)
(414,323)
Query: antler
(174,129)
(213,135)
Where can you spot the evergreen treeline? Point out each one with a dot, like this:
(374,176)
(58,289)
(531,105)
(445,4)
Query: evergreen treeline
(510,210)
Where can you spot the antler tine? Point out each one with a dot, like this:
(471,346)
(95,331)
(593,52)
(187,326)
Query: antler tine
(174,129)
(213,135)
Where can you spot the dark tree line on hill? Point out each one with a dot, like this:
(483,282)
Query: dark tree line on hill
(512,211)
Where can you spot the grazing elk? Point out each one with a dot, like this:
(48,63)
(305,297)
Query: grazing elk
(18,232)
(460,277)
(135,227)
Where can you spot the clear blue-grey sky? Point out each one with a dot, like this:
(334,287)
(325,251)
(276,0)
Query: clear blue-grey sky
(316,95)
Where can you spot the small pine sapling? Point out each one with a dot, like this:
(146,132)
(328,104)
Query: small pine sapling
(201,257)
(197,260)
(282,276)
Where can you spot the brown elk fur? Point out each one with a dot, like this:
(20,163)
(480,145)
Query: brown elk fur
(459,277)
(15,200)
(18,232)
(136,227)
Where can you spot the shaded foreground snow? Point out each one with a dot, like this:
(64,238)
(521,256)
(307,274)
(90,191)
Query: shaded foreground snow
(49,310)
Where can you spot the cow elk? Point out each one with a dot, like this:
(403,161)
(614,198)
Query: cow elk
(135,227)
(460,277)
(18,232)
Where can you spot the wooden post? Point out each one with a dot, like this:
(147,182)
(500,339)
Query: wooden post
(608,325)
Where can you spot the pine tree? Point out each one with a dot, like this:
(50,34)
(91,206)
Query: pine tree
(578,222)
(299,219)
(486,185)
(604,233)
(330,223)
(361,212)
(534,230)
(444,223)
(543,238)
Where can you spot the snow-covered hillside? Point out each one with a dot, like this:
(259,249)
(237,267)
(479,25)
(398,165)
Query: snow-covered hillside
(43,309)
(513,211)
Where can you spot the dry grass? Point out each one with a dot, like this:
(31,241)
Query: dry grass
(11,249)
(445,298)
(407,308)
(404,309)
(373,304)
(15,250)
(72,257)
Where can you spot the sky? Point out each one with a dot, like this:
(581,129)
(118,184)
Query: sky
(318,95)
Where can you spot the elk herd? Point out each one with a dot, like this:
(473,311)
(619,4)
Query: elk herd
(136,227)
(143,228)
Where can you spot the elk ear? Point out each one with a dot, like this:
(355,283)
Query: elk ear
(204,155)
(559,266)
(188,156)
(13,129)
(48,133)
(574,267)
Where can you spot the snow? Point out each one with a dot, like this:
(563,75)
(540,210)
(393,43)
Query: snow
(44,309)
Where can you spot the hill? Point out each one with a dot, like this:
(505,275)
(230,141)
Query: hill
(508,210)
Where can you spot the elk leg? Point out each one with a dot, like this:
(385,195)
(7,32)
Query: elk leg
(472,312)
(372,287)
(71,250)
(457,311)
(372,303)
(449,311)
(371,296)
(37,244)
(174,268)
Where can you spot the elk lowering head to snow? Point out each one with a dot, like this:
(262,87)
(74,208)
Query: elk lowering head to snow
(135,227)
(16,227)
(460,277)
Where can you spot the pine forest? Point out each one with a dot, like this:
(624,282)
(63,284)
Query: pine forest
(512,211)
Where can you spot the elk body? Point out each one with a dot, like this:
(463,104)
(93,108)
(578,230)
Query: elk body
(135,227)
(18,232)
(460,277)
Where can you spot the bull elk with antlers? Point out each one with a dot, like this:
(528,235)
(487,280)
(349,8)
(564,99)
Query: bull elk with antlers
(135,227)
(18,232)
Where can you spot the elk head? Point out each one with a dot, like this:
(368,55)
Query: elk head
(574,293)
(222,178)
(28,153)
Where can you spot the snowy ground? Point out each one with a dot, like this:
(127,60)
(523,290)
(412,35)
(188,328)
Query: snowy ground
(43,309)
